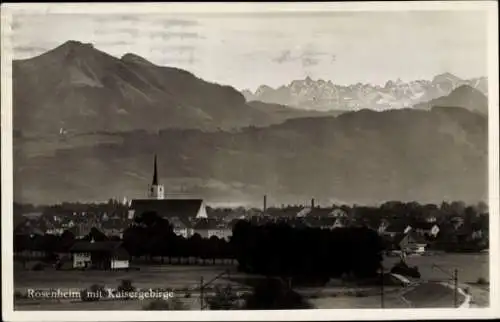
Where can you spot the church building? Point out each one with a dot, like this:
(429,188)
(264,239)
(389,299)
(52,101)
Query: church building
(184,209)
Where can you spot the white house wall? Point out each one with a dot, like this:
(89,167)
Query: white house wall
(80,259)
(182,232)
(116,264)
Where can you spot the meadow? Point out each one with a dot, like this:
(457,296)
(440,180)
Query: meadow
(181,277)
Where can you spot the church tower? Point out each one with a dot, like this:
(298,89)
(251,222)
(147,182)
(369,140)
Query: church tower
(156,190)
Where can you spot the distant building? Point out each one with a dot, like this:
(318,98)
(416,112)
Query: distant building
(426,229)
(181,227)
(156,190)
(207,228)
(384,224)
(431,219)
(340,222)
(319,212)
(54,231)
(338,213)
(166,208)
(303,212)
(100,255)
(394,228)
(84,226)
(410,243)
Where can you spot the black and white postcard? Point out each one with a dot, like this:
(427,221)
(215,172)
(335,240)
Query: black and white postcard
(250,161)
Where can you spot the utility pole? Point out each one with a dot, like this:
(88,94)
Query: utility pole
(201,293)
(454,278)
(382,286)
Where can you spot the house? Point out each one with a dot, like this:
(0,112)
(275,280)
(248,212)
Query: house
(68,224)
(54,231)
(113,227)
(477,234)
(426,229)
(470,233)
(84,227)
(303,212)
(395,228)
(222,231)
(181,227)
(338,213)
(410,243)
(318,211)
(326,222)
(384,224)
(100,254)
(340,222)
(431,219)
(113,232)
(233,216)
(207,228)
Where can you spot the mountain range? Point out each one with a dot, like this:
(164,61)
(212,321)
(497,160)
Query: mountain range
(325,95)
(88,124)
(79,89)
(358,157)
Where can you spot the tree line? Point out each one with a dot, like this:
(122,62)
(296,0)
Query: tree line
(278,249)
(152,236)
(272,249)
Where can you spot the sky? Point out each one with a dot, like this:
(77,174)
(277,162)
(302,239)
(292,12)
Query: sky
(249,50)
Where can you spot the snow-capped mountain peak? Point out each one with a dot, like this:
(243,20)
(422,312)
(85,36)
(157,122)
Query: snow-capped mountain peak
(325,95)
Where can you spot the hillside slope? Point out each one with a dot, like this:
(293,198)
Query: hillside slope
(76,88)
(357,157)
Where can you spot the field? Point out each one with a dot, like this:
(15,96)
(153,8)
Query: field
(470,268)
(158,276)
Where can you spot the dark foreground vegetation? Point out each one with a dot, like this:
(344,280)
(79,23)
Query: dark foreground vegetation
(280,250)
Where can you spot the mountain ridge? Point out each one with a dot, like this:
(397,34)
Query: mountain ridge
(324,95)
(80,89)
(356,157)
(463,96)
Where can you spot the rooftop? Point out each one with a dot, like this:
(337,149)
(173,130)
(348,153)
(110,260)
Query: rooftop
(182,208)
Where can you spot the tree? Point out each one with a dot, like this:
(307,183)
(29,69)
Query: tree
(457,208)
(281,250)
(152,236)
(214,249)
(482,207)
(67,239)
(195,246)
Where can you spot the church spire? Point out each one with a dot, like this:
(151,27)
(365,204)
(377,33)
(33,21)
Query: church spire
(155,174)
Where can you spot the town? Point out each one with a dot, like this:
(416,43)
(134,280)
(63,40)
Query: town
(69,230)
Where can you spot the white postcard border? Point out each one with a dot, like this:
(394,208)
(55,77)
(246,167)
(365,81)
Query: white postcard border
(8,10)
